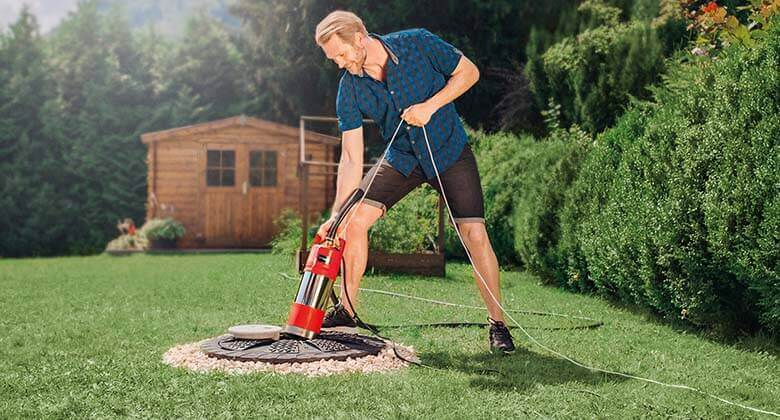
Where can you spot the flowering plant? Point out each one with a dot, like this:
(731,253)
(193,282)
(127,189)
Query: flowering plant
(718,28)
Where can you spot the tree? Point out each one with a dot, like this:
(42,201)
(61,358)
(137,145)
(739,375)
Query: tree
(291,76)
(206,71)
(100,111)
(27,158)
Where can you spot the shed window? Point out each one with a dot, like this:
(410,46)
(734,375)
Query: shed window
(221,168)
(262,168)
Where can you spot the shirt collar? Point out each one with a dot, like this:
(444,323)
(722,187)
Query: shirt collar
(390,51)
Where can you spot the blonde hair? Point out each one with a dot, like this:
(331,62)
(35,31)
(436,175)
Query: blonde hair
(342,23)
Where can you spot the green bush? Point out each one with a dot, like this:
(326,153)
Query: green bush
(524,181)
(288,239)
(501,174)
(585,199)
(411,225)
(167,228)
(550,168)
(677,207)
(594,74)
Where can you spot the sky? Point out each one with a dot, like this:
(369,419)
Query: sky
(48,12)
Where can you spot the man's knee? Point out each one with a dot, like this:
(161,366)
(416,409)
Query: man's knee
(364,217)
(361,220)
(474,234)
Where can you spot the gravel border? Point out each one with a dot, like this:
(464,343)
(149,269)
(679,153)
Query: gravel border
(191,357)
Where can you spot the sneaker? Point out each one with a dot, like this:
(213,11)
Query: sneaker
(338,319)
(499,338)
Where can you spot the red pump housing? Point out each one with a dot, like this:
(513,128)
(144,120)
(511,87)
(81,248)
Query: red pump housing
(317,280)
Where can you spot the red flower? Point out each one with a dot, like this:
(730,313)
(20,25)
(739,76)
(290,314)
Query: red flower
(710,7)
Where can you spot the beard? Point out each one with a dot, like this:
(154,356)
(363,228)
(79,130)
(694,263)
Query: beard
(360,59)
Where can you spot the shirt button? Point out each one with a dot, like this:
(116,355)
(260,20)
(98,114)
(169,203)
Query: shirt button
(412,141)
(408,128)
(392,92)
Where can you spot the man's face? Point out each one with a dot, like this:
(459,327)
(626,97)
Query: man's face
(350,56)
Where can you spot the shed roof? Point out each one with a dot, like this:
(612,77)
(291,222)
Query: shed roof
(239,120)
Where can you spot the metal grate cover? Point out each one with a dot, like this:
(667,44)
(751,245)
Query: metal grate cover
(325,346)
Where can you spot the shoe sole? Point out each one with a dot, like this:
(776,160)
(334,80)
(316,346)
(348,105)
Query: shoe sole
(495,350)
(341,329)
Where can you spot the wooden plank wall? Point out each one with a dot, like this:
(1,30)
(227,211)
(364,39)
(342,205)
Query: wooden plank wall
(180,175)
(177,185)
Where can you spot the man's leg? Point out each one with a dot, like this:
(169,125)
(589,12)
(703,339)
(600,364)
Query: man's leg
(388,188)
(464,195)
(356,251)
(478,244)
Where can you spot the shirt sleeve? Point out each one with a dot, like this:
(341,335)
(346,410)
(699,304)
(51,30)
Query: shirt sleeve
(347,110)
(442,54)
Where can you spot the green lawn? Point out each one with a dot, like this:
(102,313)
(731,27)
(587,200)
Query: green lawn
(84,337)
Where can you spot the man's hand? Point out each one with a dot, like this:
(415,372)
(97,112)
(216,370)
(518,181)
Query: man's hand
(418,115)
(324,227)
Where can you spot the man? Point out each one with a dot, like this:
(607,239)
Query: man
(414,76)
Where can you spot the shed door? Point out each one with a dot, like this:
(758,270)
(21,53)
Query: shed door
(244,194)
(265,192)
(223,204)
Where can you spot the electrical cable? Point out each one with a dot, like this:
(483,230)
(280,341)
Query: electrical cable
(591,322)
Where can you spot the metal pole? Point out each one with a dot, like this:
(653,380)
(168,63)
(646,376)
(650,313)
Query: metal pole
(302,202)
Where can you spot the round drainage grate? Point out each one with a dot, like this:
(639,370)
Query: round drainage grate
(326,346)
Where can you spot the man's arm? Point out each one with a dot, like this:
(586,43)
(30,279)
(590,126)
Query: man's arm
(463,78)
(350,170)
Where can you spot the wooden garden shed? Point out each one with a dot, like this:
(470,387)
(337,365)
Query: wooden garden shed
(228,180)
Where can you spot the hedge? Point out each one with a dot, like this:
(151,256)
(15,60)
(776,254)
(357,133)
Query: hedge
(676,208)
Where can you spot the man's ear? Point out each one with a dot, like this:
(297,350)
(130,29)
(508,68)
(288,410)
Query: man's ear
(361,39)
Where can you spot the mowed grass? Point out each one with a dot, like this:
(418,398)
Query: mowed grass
(84,337)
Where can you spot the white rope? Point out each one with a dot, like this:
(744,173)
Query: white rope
(484,283)
(370,181)
(563,356)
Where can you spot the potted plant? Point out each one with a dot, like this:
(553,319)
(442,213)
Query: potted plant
(162,233)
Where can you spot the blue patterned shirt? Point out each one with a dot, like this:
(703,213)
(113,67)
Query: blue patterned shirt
(419,65)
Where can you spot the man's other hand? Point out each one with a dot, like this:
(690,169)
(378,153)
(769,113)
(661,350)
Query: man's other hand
(323,230)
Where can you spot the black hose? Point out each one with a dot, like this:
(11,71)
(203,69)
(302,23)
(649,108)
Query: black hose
(371,328)
(354,197)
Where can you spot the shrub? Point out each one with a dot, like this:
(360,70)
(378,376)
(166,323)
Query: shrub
(167,228)
(501,173)
(676,208)
(411,225)
(523,184)
(551,165)
(594,74)
(288,239)
(585,199)
(127,242)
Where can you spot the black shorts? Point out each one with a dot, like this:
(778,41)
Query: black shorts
(461,184)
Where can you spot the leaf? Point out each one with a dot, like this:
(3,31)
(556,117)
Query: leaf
(758,34)
(732,22)
(719,15)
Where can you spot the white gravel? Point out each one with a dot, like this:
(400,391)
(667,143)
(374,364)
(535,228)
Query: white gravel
(190,356)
